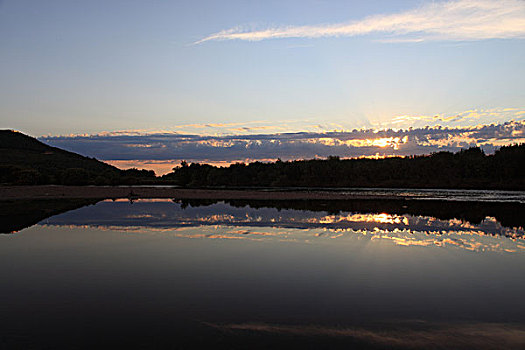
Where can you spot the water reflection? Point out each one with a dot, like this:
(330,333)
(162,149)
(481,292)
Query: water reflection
(411,335)
(227,221)
(443,194)
(239,274)
(16,215)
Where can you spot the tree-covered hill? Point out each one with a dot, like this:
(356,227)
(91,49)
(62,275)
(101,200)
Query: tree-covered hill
(25,160)
(469,168)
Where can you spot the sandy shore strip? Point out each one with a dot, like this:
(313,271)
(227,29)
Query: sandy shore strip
(106,192)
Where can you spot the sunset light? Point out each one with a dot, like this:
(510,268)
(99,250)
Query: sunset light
(290,174)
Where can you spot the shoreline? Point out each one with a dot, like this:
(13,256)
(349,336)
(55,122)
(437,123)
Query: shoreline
(138,192)
(148,192)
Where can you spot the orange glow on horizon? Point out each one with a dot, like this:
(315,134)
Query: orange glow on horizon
(162,167)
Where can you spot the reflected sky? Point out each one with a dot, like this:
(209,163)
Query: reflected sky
(167,273)
(222,220)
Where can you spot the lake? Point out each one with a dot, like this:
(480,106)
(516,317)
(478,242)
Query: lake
(164,273)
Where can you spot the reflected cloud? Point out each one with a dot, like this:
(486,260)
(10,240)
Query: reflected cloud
(223,221)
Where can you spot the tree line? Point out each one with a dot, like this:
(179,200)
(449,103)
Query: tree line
(17,175)
(26,161)
(469,169)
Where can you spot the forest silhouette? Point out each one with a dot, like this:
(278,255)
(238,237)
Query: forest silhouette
(27,161)
(467,169)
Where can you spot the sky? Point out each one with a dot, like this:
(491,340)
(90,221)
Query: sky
(75,69)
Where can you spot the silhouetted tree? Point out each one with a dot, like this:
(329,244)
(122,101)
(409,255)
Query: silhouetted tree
(469,168)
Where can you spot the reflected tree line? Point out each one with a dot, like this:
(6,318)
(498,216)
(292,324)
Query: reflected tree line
(16,215)
(466,169)
(508,214)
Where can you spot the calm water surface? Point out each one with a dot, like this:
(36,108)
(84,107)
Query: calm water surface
(171,273)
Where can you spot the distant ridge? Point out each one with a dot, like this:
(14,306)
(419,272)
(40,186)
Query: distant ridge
(25,160)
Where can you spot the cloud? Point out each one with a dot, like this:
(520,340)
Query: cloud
(458,119)
(409,335)
(444,20)
(287,146)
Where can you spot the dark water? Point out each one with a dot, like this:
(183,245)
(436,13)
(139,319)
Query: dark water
(174,274)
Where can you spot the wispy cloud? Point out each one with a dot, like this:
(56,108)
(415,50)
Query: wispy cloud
(458,119)
(444,20)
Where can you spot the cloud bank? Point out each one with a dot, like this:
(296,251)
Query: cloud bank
(445,20)
(173,147)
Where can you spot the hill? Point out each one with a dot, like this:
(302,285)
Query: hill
(27,161)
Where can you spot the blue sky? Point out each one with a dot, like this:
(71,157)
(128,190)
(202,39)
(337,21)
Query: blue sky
(86,67)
